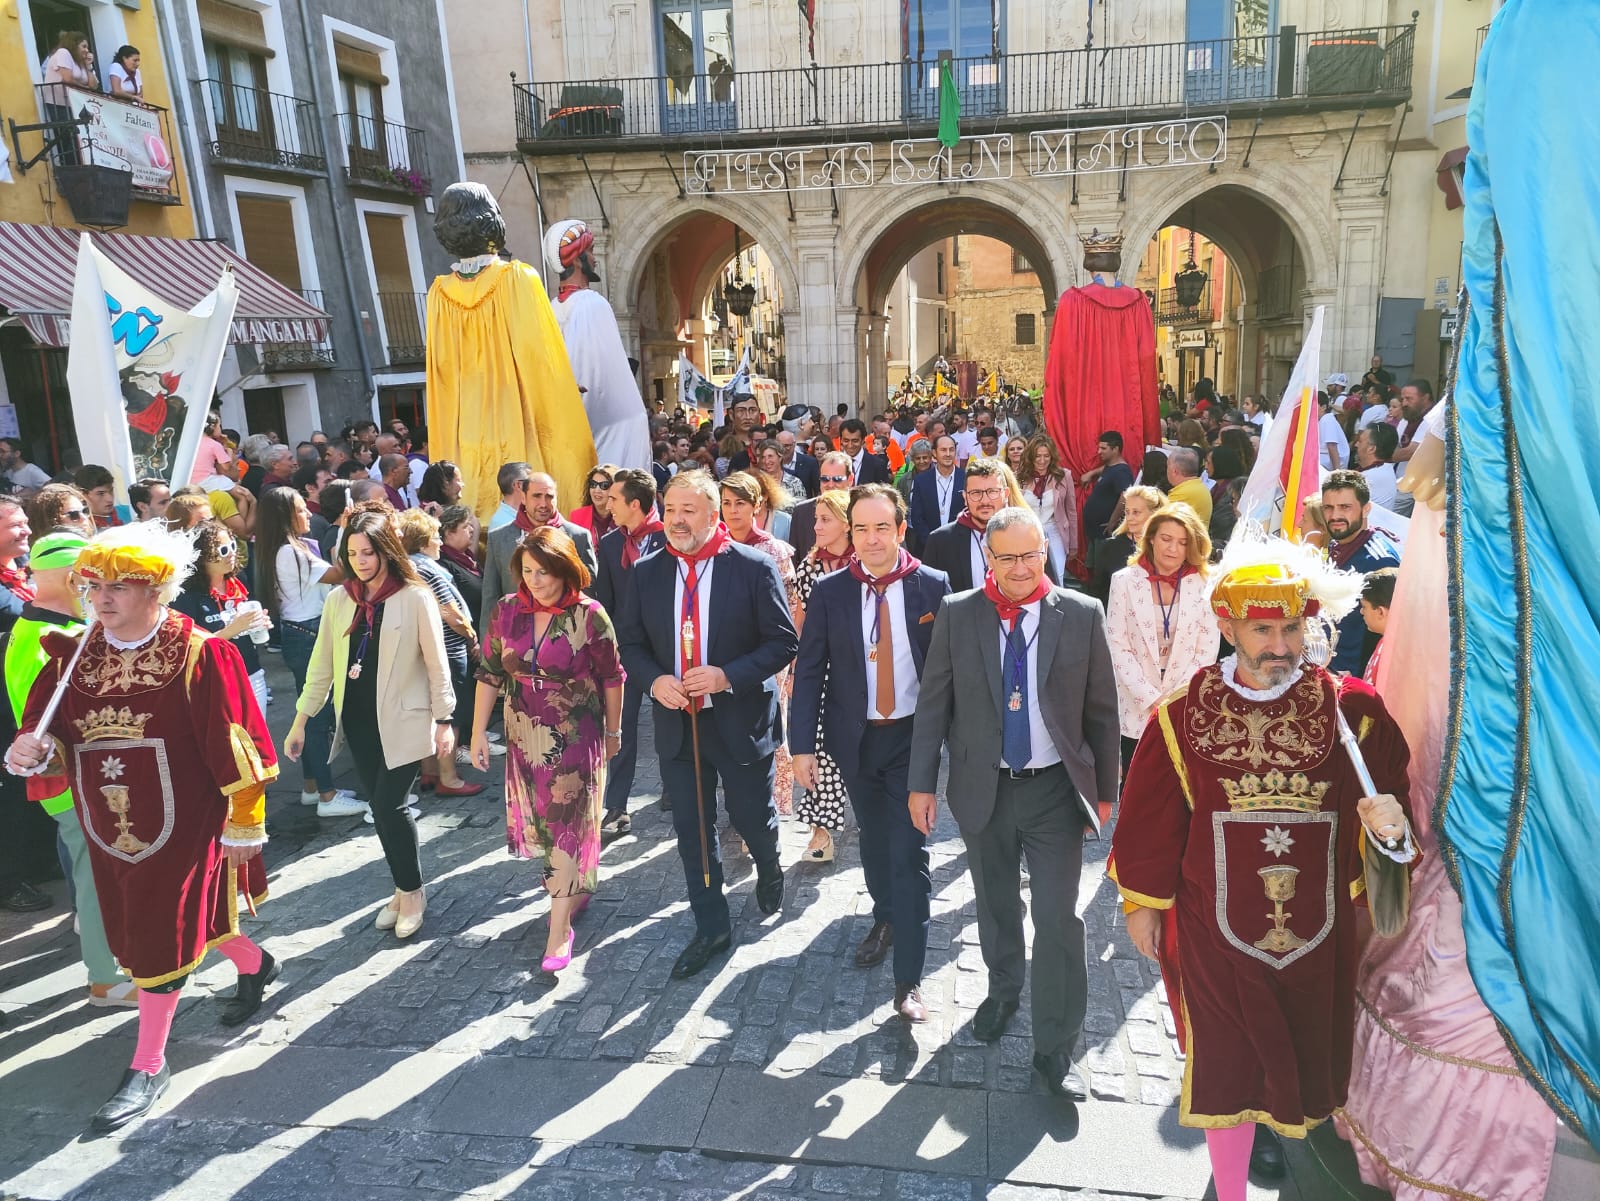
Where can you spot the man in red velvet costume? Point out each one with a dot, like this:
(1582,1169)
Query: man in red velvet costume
(167,754)
(1101,371)
(1242,839)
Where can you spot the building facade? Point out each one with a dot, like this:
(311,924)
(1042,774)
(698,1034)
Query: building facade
(1278,132)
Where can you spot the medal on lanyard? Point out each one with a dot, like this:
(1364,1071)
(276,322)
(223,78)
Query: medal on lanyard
(687,636)
(1015,702)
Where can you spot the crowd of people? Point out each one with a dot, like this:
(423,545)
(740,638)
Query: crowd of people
(796,600)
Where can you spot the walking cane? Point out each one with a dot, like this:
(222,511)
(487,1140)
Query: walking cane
(694,738)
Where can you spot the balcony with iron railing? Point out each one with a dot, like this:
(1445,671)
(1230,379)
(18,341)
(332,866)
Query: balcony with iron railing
(299,356)
(104,151)
(1169,312)
(404,325)
(382,154)
(269,131)
(1286,72)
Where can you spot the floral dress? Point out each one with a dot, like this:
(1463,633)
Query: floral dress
(555,727)
(825,806)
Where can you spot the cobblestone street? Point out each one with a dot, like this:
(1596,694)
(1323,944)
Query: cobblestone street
(449,1065)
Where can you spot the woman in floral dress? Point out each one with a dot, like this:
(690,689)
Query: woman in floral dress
(746,499)
(552,653)
(823,809)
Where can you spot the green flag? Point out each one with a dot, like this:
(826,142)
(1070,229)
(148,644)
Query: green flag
(949,106)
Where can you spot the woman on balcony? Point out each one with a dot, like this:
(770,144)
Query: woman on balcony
(123,75)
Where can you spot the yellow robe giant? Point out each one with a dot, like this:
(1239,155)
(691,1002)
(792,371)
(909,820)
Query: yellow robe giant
(500,388)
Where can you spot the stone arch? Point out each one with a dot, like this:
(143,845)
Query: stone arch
(1020,214)
(1310,228)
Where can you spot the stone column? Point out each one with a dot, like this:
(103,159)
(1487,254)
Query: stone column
(1353,318)
(875,367)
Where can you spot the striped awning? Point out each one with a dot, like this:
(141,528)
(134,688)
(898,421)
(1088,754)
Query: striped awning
(37,264)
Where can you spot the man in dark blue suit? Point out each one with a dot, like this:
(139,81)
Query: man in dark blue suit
(705,624)
(867,630)
(639,533)
(936,495)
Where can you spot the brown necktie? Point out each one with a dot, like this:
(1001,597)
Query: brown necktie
(885,658)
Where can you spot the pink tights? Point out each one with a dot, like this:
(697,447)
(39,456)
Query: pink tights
(1230,1159)
(246,956)
(156,1009)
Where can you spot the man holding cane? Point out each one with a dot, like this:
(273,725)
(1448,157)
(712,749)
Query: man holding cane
(1246,833)
(705,626)
(156,730)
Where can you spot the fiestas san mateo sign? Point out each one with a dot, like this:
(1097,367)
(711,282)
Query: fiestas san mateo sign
(927,160)
(778,169)
(1194,142)
(122,135)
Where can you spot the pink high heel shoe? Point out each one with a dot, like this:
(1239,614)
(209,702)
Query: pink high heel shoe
(554,963)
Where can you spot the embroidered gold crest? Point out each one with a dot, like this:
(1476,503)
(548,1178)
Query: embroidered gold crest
(1292,733)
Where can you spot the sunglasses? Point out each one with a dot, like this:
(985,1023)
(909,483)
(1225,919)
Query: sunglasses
(74,514)
(223,550)
(600,482)
(835,479)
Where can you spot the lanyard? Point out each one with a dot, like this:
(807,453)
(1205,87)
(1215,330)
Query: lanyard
(877,599)
(1019,658)
(538,643)
(1166,609)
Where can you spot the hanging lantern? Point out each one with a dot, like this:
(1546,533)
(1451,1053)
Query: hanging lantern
(1189,283)
(740,296)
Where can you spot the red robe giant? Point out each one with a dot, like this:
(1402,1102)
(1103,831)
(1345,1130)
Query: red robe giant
(167,753)
(1240,816)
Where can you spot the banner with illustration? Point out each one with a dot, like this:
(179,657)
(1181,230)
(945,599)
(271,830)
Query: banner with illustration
(121,135)
(142,371)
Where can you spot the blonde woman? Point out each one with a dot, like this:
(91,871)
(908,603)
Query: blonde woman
(1158,623)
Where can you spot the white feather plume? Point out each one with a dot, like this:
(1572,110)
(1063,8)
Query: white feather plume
(1336,591)
(174,547)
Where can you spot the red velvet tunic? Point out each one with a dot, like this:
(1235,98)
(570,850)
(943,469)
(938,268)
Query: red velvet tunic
(165,747)
(1239,816)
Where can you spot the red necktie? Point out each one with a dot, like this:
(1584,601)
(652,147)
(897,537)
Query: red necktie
(689,646)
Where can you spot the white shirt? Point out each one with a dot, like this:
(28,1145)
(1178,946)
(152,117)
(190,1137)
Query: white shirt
(1044,749)
(132,82)
(300,594)
(1371,416)
(906,684)
(1381,483)
(29,475)
(1329,430)
(945,485)
(980,565)
(966,444)
(855,465)
(702,604)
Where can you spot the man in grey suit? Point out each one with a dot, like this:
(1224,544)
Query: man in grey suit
(1030,755)
(535,495)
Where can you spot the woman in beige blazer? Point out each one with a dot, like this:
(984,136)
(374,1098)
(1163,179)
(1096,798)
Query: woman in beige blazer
(380,637)
(1158,621)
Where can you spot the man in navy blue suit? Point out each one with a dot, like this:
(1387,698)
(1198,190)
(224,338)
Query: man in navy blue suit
(639,533)
(867,630)
(705,624)
(936,495)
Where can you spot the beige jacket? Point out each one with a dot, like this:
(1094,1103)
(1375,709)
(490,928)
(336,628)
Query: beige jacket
(1132,627)
(413,673)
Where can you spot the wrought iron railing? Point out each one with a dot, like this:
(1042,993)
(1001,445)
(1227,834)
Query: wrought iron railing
(383,154)
(1076,87)
(404,325)
(295,356)
(1170,312)
(96,129)
(264,129)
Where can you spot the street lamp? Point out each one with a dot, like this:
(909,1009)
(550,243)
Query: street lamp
(740,295)
(1191,281)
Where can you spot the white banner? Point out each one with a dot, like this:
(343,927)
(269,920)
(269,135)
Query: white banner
(142,371)
(695,391)
(122,135)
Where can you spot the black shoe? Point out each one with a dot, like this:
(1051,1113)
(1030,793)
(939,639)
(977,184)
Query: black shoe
(1266,1156)
(247,996)
(992,1018)
(135,1097)
(699,953)
(1060,1076)
(615,825)
(23,897)
(875,945)
(769,888)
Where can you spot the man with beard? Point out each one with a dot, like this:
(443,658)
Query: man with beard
(1346,503)
(1416,401)
(715,700)
(534,494)
(1244,840)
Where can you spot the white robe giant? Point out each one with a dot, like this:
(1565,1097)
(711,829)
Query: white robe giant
(611,396)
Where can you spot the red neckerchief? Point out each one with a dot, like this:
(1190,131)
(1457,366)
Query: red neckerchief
(396,501)
(1173,580)
(1008,609)
(18,581)
(602,523)
(965,518)
(832,562)
(1342,552)
(525,523)
(232,590)
(714,544)
(366,609)
(530,605)
(1039,483)
(633,543)
(461,558)
(756,537)
(903,566)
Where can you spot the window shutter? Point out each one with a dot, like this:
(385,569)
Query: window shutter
(359,62)
(234,26)
(266,226)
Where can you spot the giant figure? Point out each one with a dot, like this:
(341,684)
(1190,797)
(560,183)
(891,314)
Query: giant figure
(500,386)
(1101,371)
(594,346)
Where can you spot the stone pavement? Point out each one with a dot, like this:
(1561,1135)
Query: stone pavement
(450,1065)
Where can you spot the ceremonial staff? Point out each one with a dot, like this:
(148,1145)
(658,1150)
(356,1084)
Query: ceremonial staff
(694,738)
(42,730)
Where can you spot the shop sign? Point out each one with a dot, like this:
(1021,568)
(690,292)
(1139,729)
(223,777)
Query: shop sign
(1195,142)
(778,169)
(927,160)
(1192,339)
